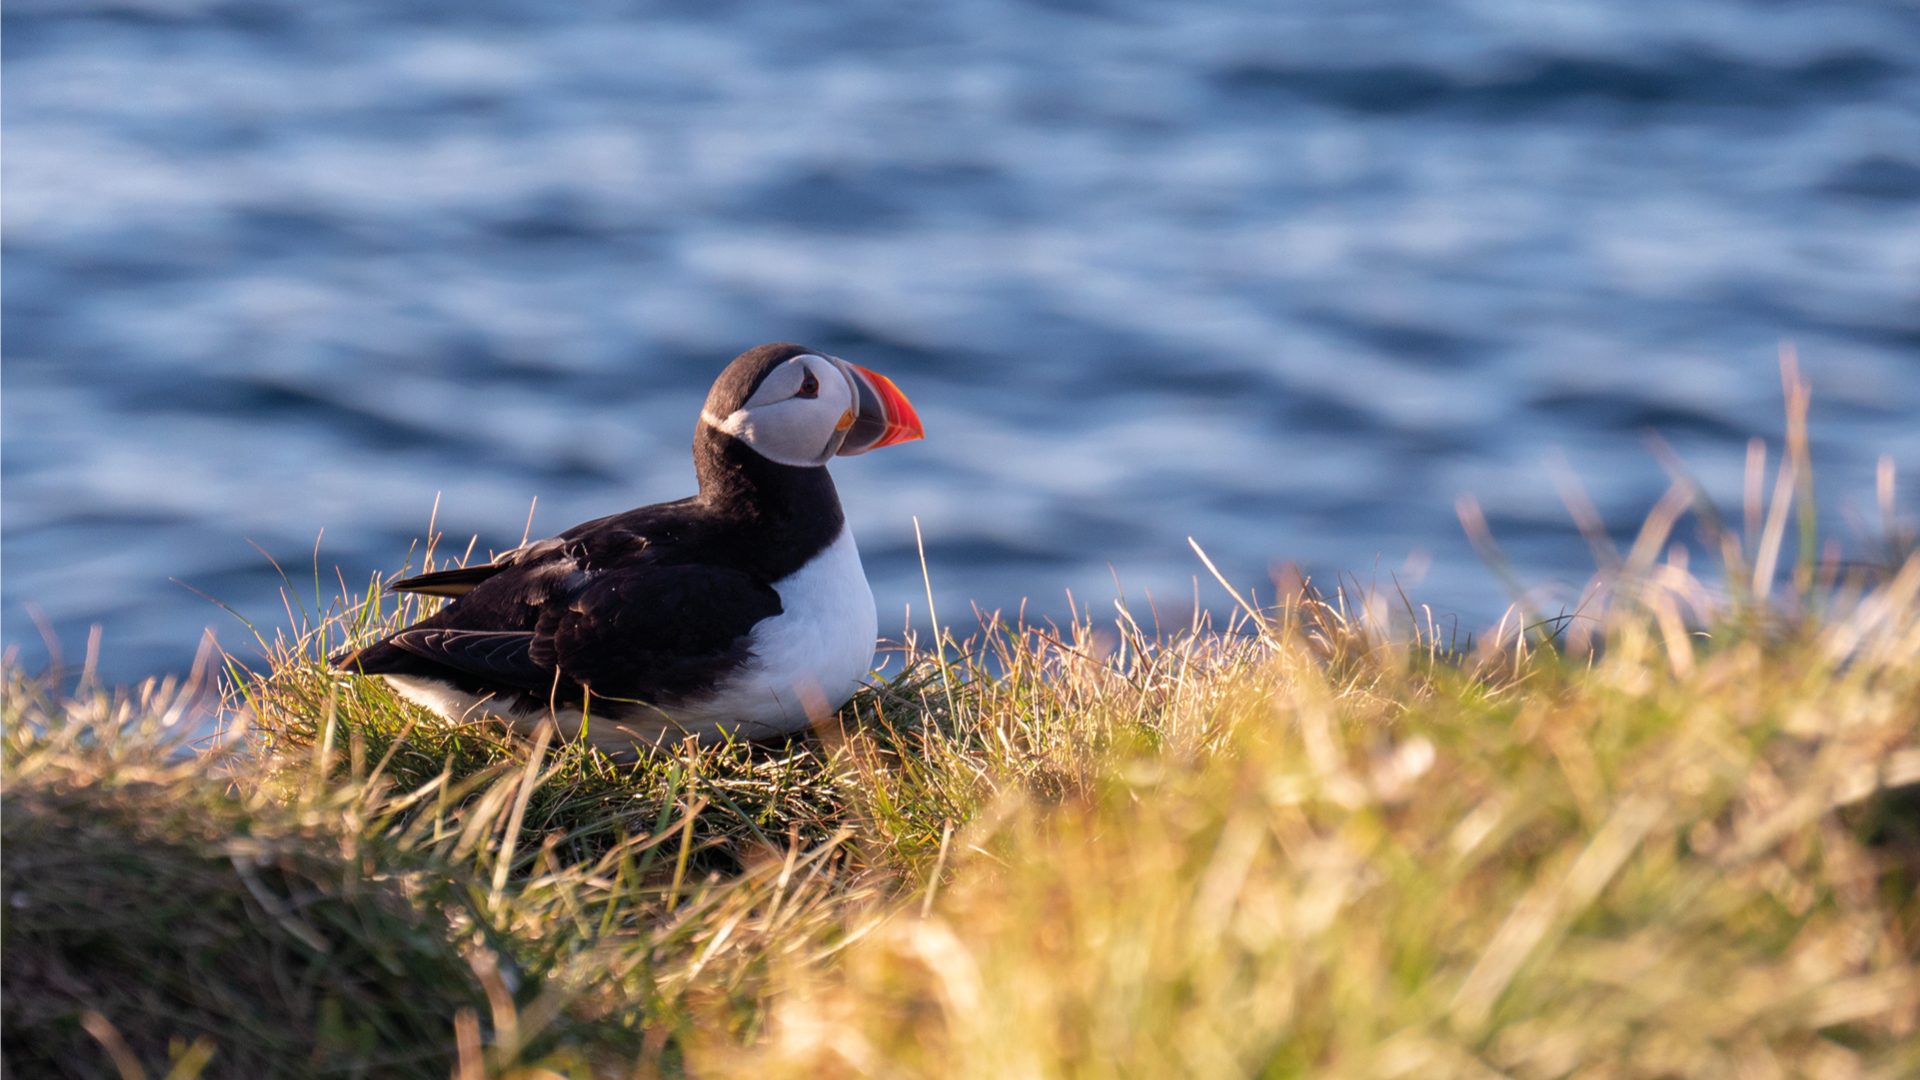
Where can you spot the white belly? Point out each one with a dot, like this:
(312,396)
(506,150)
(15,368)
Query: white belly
(806,662)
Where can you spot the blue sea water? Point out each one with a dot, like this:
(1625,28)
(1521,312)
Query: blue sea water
(1287,278)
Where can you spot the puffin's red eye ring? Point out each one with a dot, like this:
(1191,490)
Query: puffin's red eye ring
(809,387)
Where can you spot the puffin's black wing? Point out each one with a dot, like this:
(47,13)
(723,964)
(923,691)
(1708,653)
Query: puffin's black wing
(644,631)
(502,657)
(657,633)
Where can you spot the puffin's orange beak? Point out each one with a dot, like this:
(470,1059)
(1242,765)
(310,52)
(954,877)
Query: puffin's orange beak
(882,415)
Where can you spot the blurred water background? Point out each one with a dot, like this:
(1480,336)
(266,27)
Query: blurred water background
(1285,277)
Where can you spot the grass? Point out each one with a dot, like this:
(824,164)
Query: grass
(1674,834)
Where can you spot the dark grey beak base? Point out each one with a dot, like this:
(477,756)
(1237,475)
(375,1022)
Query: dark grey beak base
(882,415)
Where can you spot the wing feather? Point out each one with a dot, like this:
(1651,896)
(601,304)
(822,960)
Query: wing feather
(501,656)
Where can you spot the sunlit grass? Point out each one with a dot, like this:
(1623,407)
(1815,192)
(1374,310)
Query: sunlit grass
(1675,832)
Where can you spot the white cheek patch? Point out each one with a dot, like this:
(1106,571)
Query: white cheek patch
(789,432)
(734,425)
(762,428)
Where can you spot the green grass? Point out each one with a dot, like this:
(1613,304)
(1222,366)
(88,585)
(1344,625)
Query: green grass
(1676,835)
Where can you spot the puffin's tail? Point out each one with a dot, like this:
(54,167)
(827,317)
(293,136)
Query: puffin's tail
(456,582)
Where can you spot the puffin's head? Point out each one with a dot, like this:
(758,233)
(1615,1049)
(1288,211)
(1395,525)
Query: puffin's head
(800,407)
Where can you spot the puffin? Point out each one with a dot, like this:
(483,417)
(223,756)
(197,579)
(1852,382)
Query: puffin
(741,612)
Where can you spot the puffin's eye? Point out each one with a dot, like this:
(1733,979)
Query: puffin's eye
(809,387)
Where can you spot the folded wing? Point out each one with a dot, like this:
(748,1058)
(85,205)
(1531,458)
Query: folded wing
(551,631)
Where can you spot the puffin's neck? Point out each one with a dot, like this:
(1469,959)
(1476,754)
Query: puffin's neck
(734,479)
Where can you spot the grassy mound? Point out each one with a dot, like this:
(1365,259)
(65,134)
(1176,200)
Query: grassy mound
(1676,833)
(194,929)
(167,912)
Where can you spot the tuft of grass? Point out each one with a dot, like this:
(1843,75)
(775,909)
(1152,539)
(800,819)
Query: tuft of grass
(1672,832)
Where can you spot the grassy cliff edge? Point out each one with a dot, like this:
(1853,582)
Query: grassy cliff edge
(1675,833)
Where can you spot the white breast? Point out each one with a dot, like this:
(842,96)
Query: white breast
(807,661)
